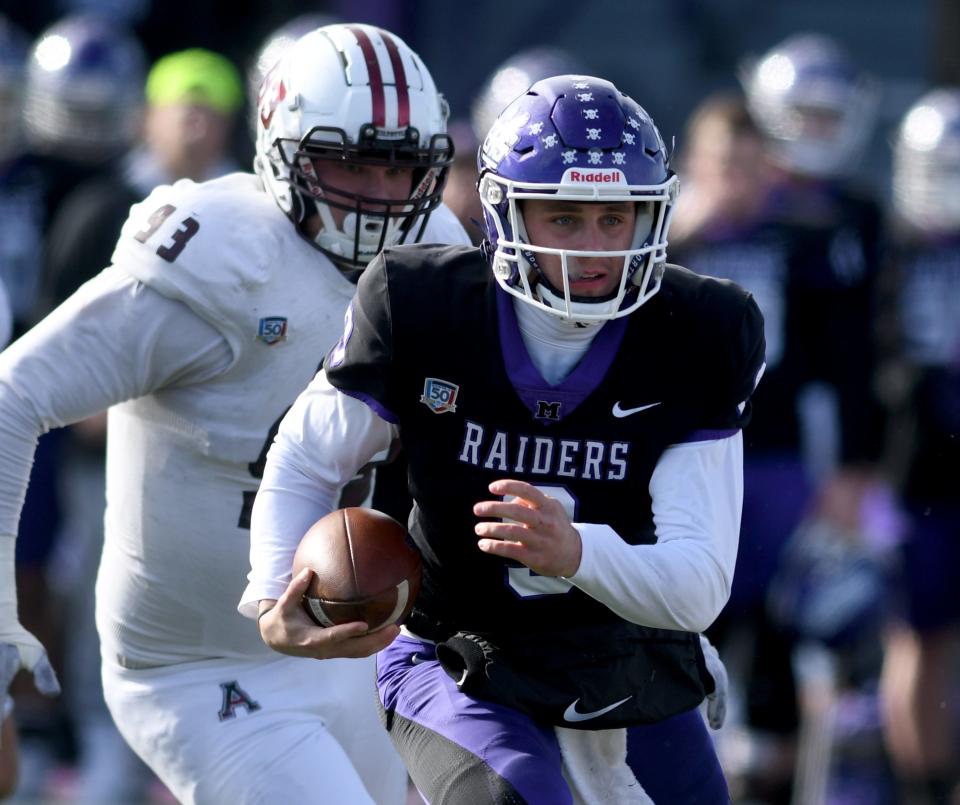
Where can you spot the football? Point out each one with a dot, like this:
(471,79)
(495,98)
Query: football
(364,569)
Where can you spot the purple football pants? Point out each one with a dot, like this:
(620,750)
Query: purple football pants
(464,751)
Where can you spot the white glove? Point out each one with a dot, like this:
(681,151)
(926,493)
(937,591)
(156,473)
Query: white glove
(18,648)
(26,653)
(716,701)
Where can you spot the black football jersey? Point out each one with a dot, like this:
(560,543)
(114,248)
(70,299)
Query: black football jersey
(836,248)
(928,312)
(811,261)
(433,344)
(758,259)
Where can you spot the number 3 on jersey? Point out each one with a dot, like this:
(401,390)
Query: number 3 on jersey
(522,580)
(188,228)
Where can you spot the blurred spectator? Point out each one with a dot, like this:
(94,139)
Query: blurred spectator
(767,203)
(725,226)
(83,91)
(816,108)
(727,180)
(193,99)
(920,682)
(83,98)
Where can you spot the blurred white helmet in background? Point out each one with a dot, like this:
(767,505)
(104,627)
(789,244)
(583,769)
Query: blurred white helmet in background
(926,162)
(814,104)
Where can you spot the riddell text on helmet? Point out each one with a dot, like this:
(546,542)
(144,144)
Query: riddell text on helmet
(607,176)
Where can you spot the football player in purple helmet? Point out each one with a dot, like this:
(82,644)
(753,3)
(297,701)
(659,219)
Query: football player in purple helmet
(816,107)
(814,102)
(572,410)
(83,96)
(921,733)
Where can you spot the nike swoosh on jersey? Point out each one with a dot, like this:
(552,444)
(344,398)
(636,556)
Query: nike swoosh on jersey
(572,714)
(620,413)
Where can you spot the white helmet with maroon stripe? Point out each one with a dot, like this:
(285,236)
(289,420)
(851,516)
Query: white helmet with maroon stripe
(357,94)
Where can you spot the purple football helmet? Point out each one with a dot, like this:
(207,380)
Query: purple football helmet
(926,163)
(575,138)
(813,102)
(84,89)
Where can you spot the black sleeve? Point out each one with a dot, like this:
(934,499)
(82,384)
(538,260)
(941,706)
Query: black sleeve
(361,362)
(745,349)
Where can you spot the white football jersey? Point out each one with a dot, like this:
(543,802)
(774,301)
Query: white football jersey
(183,463)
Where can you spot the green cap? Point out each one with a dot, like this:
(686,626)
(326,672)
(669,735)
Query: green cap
(195,76)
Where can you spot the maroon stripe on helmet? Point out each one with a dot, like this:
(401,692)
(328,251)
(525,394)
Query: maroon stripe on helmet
(376,76)
(400,79)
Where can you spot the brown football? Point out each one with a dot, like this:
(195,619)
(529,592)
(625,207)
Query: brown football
(364,569)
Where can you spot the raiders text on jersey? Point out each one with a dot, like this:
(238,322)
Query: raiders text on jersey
(499,450)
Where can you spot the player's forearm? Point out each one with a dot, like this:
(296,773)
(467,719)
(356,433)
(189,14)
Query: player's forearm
(670,586)
(322,442)
(683,580)
(20,428)
(8,584)
(287,504)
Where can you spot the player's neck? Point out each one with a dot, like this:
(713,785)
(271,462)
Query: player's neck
(555,346)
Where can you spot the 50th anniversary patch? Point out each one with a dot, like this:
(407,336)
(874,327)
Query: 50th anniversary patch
(440,396)
(272,329)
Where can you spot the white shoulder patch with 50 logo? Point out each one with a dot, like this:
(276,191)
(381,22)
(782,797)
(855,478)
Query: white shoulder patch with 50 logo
(272,329)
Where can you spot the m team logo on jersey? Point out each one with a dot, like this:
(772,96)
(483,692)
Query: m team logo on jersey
(272,329)
(547,410)
(440,396)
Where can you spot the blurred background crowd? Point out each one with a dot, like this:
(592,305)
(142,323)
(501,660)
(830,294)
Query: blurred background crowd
(818,145)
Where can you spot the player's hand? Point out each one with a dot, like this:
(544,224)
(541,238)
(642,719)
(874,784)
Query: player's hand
(716,701)
(20,649)
(287,628)
(541,535)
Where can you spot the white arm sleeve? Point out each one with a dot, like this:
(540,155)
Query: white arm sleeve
(113,340)
(683,580)
(323,441)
